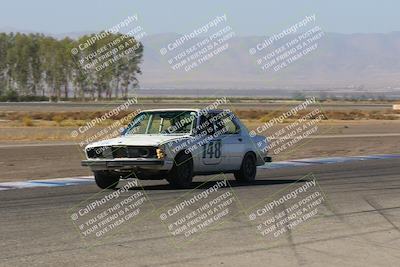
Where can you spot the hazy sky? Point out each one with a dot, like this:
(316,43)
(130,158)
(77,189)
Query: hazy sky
(261,17)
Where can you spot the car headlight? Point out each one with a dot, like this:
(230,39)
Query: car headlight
(160,153)
(143,152)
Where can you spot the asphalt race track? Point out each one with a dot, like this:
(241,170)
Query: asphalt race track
(357,224)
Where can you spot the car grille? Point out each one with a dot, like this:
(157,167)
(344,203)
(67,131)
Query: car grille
(119,152)
(115,152)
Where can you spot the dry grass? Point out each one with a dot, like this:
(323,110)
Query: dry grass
(57,116)
(59,119)
(52,132)
(76,119)
(27,121)
(265,115)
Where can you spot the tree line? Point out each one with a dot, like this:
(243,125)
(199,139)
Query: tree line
(39,67)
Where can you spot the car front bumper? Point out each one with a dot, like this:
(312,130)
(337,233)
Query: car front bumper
(110,164)
(267,159)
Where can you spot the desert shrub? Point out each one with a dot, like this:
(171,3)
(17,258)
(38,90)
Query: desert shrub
(27,121)
(58,119)
(68,123)
(250,114)
(80,122)
(266,117)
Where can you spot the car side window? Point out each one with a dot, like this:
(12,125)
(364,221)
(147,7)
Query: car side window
(227,125)
(206,124)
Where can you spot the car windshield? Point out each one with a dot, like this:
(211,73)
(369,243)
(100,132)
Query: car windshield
(162,122)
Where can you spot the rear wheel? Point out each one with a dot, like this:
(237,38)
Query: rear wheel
(181,174)
(106,179)
(248,169)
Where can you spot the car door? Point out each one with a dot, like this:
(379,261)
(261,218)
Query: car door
(233,144)
(210,153)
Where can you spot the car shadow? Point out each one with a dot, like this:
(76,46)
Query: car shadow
(231,183)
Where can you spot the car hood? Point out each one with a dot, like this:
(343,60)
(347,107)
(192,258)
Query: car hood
(137,140)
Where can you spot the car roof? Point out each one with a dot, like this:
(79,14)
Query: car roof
(171,109)
(181,109)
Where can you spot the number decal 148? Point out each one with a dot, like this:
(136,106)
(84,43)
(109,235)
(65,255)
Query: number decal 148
(212,149)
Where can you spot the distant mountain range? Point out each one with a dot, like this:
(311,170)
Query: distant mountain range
(353,61)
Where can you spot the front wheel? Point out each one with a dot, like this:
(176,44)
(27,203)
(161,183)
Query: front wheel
(248,169)
(106,179)
(181,174)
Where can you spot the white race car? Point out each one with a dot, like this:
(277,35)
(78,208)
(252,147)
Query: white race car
(176,144)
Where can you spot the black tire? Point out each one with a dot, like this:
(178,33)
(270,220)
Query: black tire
(181,174)
(106,179)
(248,169)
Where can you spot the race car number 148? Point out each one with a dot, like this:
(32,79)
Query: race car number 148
(212,149)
